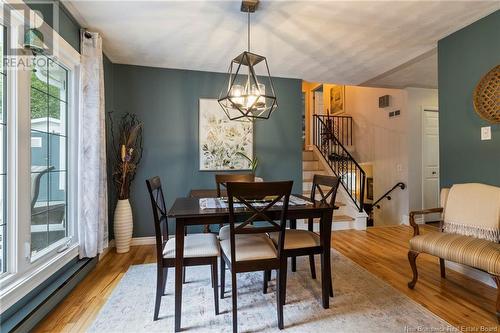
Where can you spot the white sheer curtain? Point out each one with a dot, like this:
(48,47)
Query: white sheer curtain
(92,187)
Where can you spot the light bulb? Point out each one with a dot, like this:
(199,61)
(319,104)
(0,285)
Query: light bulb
(235,95)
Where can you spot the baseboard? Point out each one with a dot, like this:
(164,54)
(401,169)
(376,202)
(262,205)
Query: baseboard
(472,273)
(143,241)
(136,241)
(47,296)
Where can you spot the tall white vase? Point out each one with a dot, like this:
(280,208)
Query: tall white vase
(123,226)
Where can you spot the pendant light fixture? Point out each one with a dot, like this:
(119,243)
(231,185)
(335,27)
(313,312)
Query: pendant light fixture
(249,93)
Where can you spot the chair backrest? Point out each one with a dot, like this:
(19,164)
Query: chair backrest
(223,179)
(259,198)
(318,186)
(473,210)
(159,214)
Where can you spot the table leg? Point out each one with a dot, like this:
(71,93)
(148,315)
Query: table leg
(293,225)
(326,234)
(179,254)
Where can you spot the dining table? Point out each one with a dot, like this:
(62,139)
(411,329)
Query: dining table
(190,211)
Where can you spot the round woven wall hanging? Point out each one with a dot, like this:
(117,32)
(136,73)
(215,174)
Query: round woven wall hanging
(486,96)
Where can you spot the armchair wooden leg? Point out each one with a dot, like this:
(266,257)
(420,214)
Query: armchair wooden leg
(215,285)
(412,257)
(442,267)
(222,277)
(497,281)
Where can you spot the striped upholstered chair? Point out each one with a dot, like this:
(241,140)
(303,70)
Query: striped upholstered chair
(470,232)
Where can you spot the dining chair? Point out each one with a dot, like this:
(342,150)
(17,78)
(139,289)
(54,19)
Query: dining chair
(250,249)
(199,249)
(307,242)
(221,181)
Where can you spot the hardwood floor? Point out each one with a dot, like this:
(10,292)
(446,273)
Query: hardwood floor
(463,302)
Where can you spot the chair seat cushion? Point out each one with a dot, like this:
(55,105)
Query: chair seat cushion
(225,231)
(250,247)
(297,239)
(195,246)
(467,250)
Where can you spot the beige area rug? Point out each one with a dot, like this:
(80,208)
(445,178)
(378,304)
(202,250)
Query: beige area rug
(362,303)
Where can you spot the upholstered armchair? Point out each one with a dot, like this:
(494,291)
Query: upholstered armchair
(469,232)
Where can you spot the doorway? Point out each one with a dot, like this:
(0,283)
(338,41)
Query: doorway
(430,161)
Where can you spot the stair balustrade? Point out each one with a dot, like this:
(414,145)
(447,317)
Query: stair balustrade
(331,135)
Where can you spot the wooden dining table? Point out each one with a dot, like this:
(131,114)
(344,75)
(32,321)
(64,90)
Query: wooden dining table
(188,212)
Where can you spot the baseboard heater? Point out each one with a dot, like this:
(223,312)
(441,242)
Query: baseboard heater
(28,312)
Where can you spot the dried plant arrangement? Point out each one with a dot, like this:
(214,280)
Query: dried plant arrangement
(127,152)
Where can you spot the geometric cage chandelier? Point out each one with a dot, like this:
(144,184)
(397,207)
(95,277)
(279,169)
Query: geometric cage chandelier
(245,97)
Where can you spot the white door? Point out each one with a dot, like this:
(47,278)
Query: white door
(430,162)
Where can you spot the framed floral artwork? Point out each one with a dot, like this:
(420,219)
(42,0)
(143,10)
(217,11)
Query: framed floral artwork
(220,139)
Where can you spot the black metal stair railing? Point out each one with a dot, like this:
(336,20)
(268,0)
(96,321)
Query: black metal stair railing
(330,135)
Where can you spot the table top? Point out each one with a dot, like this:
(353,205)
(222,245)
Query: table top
(190,207)
(206,193)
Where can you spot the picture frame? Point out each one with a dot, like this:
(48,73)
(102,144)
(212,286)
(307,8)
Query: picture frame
(221,140)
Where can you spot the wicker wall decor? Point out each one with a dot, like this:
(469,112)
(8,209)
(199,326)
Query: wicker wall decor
(486,96)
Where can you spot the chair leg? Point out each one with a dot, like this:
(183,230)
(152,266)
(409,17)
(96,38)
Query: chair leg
(234,295)
(293,225)
(264,282)
(222,277)
(497,280)
(331,285)
(269,275)
(281,291)
(165,274)
(442,267)
(282,279)
(184,274)
(215,285)
(159,292)
(412,258)
(313,266)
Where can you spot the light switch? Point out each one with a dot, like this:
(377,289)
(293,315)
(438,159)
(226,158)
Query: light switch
(486,133)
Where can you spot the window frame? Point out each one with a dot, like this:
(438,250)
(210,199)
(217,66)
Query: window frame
(24,272)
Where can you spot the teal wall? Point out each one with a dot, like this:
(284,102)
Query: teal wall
(463,58)
(166,100)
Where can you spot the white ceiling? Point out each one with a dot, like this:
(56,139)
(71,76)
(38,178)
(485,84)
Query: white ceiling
(421,72)
(347,42)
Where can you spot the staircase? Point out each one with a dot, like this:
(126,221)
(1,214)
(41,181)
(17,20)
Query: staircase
(347,216)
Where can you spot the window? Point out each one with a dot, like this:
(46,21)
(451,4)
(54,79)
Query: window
(48,110)
(39,105)
(3,154)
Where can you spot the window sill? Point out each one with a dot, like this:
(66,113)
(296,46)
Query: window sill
(16,287)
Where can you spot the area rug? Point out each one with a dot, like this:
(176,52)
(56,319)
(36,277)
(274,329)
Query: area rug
(361,303)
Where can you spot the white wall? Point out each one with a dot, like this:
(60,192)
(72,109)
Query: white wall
(382,141)
(417,98)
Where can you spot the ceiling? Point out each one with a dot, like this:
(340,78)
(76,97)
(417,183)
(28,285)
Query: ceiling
(348,42)
(421,72)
